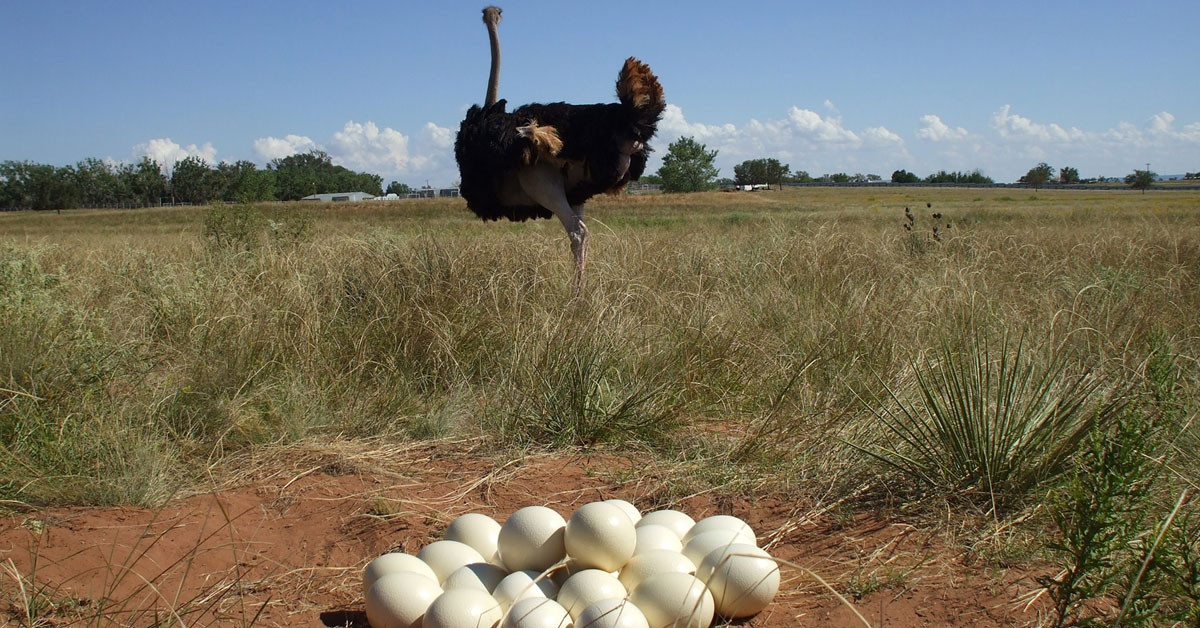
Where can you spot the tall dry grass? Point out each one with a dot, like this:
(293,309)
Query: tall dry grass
(735,329)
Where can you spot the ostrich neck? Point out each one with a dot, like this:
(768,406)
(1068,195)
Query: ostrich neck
(494,77)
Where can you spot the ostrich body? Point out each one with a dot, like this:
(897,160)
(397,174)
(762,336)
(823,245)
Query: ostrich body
(546,160)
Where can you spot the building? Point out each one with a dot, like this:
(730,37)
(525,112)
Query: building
(337,197)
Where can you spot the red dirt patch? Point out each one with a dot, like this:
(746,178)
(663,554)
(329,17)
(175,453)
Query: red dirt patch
(288,549)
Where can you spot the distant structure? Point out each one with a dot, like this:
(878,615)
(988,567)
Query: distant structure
(339,197)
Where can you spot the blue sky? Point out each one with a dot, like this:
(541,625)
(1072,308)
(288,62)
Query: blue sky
(851,87)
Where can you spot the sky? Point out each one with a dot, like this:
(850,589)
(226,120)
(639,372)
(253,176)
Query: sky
(856,87)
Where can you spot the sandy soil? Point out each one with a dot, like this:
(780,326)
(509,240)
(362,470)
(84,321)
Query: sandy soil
(287,547)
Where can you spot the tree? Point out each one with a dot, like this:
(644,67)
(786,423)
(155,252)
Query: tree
(755,171)
(243,182)
(800,176)
(1038,175)
(300,175)
(147,182)
(97,184)
(904,176)
(397,188)
(1068,175)
(687,166)
(191,180)
(1141,179)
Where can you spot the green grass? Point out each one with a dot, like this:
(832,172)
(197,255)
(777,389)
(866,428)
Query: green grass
(139,349)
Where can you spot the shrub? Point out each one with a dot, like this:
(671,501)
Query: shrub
(988,428)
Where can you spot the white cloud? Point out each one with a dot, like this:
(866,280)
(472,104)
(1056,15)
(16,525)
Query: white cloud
(269,148)
(934,130)
(810,125)
(166,152)
(881,135)
(438,136)
(366,147)
(674,125)
(817,141)
(1019,127)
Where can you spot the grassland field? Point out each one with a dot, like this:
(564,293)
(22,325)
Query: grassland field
(139,348)
(791,342)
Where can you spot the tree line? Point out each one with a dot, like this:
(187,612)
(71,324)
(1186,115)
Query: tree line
(688,167)
(96,183)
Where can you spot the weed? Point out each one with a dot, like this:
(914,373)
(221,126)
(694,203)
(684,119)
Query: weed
(989,427)
(233,227)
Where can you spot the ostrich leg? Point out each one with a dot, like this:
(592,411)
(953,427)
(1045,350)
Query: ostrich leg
(578,245)
(543,183)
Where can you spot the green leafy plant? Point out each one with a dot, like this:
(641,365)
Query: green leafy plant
(235,227)
(988,426)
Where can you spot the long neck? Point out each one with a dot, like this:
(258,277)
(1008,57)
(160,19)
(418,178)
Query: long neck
(494,77)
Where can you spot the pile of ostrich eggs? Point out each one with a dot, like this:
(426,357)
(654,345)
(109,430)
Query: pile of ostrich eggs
(605,566)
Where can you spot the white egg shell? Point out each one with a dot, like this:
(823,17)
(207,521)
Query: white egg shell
(532,538)
(519,585)
(700,545)
(586,587)
(654,562)
(600,535)
(394,562)
(477,530)
(463,608)
(612,613)
(536,612)
(722,522)
(678,521)
(443,557)
(482,576)
(654,537)
(629,509)
(742,578)
(400,599)
(674,599)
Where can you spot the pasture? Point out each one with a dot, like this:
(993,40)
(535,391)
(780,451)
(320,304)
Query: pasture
(773,352)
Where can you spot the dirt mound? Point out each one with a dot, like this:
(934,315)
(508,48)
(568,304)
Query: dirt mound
(288,547)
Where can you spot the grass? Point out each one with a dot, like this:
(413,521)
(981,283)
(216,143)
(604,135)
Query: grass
(731,337)
(138,343)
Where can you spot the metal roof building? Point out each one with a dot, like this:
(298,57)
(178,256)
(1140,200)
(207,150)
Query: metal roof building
(339,197)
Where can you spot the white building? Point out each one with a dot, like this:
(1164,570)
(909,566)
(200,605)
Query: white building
(337,197)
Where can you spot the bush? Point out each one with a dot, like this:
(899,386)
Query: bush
(989,428)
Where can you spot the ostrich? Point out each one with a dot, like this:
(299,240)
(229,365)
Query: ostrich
(545,160)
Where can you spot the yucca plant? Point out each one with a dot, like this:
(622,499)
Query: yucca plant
(988,427)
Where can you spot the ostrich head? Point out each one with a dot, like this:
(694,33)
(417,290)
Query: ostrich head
(491,16)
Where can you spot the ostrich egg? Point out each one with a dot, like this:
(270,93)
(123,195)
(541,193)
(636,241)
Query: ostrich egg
(463,608)
(532,538)
(477,530)
(519,585)
(612,613)
(600,535)
(722,522)
(678,600)
(741,577)
(679,522)
(443,557)
(654,562)
(656,536)
(482,576)
(587,586)
(536,612)
(400,599)
(629,509)
(394,562)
